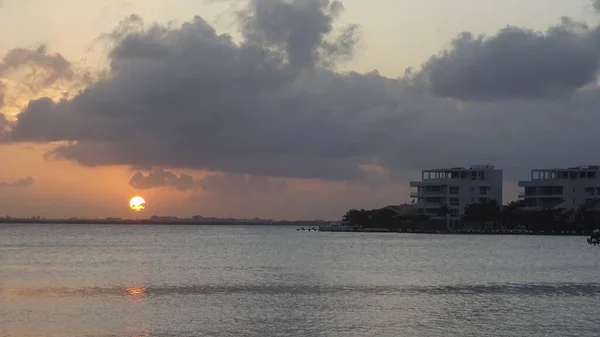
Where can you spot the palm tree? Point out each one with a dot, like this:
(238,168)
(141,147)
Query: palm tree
(444,211)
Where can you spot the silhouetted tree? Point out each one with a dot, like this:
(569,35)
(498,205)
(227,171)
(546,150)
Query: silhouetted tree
(482,212)
(383,218)
(512,213)
(594,240)
(357,217)
(587,218)
(444,211)
(542,220)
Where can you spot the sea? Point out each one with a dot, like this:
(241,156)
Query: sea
(145,280)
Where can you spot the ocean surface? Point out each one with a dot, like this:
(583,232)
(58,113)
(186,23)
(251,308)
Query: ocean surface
(74,280)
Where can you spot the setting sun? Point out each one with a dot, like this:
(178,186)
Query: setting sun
(137,203)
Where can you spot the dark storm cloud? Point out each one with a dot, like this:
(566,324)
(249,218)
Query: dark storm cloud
(24,182)
(517,63)
(159,177)
(191,98)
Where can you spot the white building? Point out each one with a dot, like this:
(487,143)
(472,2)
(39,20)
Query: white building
(456,188)
(565,188)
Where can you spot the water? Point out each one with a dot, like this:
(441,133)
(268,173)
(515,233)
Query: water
(263,281)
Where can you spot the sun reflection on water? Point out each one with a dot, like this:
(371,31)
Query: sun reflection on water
(136,293)
(136,332)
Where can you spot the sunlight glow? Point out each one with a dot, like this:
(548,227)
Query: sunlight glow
(137,203)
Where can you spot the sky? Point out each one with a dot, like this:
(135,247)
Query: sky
(284,109)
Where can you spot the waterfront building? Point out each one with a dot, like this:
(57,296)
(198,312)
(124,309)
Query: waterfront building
(452,189)
(561,188)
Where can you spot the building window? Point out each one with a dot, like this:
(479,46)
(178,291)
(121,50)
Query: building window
(589,190)
(453,212)
(454,190)
(454,202)
(483,190)
(483,200)
(549,190)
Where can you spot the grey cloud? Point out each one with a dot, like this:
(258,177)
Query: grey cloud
(4,125)
(229,107)
(300,28)
(2,88)
(159,177)
(517,63)
(596,5)
(213,183)
(241,183)
(189,98)
(24,182)
(47,68)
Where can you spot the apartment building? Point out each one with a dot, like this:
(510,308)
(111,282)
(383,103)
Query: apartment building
(566,188)
(456,188)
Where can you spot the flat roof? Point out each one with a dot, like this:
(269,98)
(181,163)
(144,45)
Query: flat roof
(472,167)
(573,168)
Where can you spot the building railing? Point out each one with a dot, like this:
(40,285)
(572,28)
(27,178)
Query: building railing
(428,194)
(431,204)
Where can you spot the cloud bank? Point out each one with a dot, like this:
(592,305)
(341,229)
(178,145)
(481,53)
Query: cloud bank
(273,105)
(517,63)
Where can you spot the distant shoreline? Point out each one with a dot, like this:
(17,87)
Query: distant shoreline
(158,222)
(252,223)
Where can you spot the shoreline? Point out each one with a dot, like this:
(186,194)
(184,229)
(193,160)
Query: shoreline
(156,222)
(256,223)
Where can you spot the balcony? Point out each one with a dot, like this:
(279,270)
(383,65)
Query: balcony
(438,194)
(430,182)
(539,196)
(432,205)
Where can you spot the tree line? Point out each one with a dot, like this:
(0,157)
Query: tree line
(482,216)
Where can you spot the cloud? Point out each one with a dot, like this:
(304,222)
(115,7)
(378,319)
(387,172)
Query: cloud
(2,88)
(21,183)
(216,105)
(159,177)
(300,28)
(273,105)
(596,5)
(220,183)
(241,183)
(517,63)
(4,125)
(46,69)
